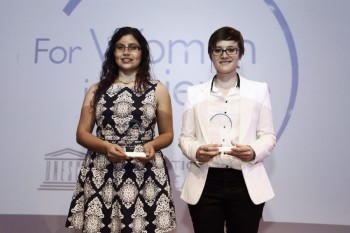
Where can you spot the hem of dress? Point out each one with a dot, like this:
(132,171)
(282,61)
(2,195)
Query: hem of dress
(170,229)
(74,228)
(81,229)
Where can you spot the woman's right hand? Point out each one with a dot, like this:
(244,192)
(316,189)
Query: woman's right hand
(207,152)
(115,153)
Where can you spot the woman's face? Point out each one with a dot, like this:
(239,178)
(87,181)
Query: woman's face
(225,60)
(127,54)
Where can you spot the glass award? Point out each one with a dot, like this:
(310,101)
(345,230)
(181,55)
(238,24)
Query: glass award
(220,128)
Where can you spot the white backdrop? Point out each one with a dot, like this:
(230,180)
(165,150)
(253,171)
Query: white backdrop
(51,52)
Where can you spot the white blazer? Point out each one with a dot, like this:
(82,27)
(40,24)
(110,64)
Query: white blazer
(256,130)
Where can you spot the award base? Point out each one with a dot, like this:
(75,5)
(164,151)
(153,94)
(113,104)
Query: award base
(136,154)
(223,149)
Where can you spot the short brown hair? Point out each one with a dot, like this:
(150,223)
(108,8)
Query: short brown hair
(226,33)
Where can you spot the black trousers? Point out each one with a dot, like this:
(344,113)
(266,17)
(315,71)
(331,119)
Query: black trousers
(225,202)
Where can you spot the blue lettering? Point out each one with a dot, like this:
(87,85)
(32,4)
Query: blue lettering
(57,54)
(37,50)
(63,52)
(180,90)
(173,43)
(158,49)
(161,46)
(98,47)
(252,46)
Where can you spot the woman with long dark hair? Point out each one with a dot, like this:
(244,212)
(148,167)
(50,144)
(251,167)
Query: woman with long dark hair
(124,184)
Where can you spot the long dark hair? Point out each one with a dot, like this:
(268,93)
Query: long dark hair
(110,70)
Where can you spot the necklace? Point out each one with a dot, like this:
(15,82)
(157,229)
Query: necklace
(123,82)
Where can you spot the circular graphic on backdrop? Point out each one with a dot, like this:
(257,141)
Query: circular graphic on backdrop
(73,4)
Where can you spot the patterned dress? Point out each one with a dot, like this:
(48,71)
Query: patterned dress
(128,196)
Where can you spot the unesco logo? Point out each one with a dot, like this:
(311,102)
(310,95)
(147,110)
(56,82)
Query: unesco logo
(62,169)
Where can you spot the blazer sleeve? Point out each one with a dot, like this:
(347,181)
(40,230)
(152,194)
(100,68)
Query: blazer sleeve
(265,134)
(188,140)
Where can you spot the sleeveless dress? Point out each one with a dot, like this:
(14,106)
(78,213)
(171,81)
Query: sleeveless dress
(129,196)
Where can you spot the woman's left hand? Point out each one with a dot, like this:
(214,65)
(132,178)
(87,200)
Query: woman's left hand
(242,152)
(149,151)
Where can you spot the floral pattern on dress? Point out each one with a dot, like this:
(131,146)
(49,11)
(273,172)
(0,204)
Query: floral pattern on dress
(129,196)
(94,216)
(122,110)
(108,193)
(150,191)
(164,214)
(128,193)
(139,222)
